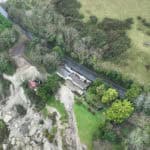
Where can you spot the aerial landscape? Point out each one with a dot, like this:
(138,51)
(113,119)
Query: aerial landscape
(74,74)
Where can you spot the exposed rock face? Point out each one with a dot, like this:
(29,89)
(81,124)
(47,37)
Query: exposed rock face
(26,131)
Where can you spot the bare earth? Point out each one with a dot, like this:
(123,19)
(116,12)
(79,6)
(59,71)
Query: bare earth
(66,96)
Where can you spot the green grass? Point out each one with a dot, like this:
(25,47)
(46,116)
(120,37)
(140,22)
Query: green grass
(87,124)
(133,62)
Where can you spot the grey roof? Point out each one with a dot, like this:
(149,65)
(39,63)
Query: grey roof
(68,74)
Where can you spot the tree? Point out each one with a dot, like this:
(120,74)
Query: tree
(49,88)
(133,92)
(109,96)
(119,111)
(51,61)
(100,90)
(59,51)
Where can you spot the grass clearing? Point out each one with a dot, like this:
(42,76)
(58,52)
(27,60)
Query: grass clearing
(133,62)
(87,124)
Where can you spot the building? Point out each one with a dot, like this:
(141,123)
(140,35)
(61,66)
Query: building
(32,84)
(77,82)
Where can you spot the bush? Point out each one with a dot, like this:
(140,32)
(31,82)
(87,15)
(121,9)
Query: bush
(133,92)
(4,23)
(93,19)
(146,106)
(4,132)
(115,24)
(139,102)
(105,133)
(4,87)
(110,136)
(6,65)
(68,8)
(21,110)
(50,135)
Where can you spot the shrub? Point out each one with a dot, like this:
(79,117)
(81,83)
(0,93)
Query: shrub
(4,23)
(21,110)
(146,106)
(93,19)
(4,132)
(133,92)
(50,135)
(110,136)
(6,65)
(139,102)
(115,24)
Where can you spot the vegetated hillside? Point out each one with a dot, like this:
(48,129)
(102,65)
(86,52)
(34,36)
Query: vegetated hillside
(59,25)
(8,37)
(135,62)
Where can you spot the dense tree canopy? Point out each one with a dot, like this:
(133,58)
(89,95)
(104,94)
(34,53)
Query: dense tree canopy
(48,88)
(119,111)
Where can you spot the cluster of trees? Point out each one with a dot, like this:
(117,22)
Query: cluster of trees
(8,34)
(6,65)
(8,37)
(117,110)
(88,42)
(42,56)
(44,93)
(4,23)
(108,35)
(49,87)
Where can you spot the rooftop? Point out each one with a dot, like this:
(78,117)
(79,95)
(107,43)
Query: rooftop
(77,79)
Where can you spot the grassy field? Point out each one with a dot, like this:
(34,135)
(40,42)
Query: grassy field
(134,61)
(87,124)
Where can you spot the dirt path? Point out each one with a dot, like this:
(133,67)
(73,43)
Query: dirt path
(66,96)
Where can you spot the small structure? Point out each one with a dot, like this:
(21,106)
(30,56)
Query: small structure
(32,84)
(79,82)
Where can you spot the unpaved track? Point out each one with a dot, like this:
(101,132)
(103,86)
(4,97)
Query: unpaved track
(66,96)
